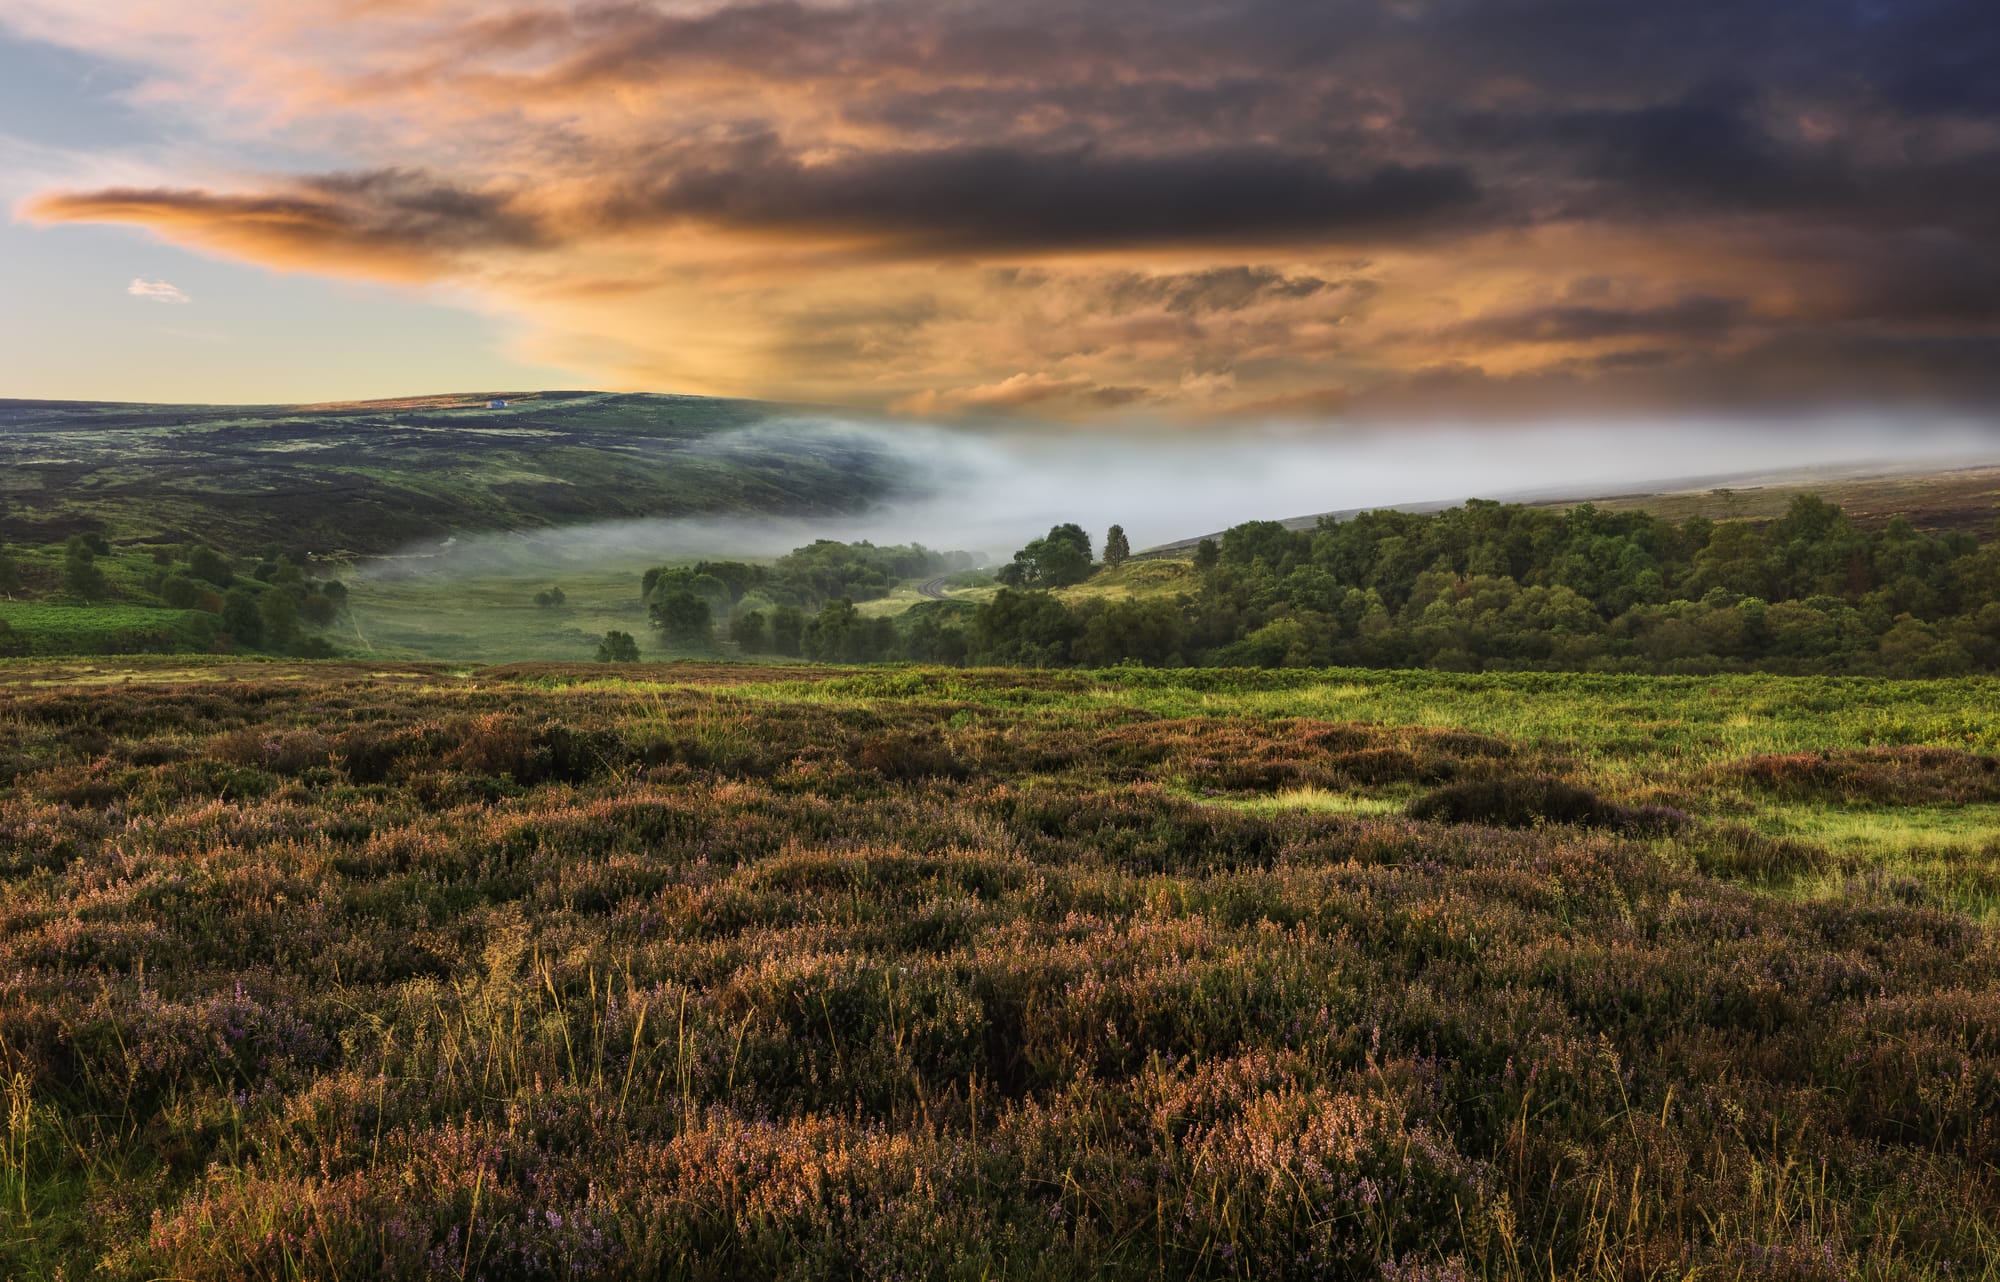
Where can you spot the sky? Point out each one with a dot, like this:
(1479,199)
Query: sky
(1172,210)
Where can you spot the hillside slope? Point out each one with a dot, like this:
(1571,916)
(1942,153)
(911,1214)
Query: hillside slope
(1935,501)
(370,477)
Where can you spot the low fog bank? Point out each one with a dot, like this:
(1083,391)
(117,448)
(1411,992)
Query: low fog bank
(990,491)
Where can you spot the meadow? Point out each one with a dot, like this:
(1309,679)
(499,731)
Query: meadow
(563,971)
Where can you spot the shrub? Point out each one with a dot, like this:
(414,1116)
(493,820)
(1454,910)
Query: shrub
(1526,801)
(908,755)
(618,647)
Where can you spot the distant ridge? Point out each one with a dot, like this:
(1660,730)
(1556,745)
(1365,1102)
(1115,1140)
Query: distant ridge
(1931,498)
(336,478)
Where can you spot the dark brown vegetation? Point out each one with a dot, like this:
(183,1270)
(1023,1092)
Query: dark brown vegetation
(1907,776)
(343,971)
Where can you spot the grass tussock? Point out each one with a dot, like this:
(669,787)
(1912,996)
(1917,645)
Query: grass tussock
(1529,801)
(328,973)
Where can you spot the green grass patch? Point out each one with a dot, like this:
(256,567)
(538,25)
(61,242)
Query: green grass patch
(43,628)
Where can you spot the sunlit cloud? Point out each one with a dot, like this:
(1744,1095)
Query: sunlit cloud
(1126,208)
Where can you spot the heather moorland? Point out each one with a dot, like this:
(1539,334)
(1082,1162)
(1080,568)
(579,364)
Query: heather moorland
(345,970)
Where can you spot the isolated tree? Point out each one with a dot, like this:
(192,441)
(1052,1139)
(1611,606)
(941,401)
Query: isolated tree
(618,647)
(1064,556)
(1116,550)
(747,631)
(550,598)
(1060,559)
(683,618)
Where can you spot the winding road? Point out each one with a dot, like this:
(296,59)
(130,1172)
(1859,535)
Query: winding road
(932,589)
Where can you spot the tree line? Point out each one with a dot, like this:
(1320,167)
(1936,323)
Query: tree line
(1483,587)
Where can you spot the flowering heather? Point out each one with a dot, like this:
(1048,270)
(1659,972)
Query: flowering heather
(342,971)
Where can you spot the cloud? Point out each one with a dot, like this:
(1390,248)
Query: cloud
(1694,318)
(1157,206)
(157,291)
(1012,199)
(396,223)
(1019,392)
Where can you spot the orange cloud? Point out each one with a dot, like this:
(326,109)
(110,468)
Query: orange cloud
(1077,210)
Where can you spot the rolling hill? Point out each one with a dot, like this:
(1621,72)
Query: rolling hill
(369,477)
(1935,501)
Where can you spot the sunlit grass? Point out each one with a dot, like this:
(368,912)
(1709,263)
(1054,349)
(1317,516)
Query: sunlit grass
(1319,800)
(1888,830)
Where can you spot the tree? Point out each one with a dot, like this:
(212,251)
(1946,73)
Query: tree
(788,629)
(319,609)
(241,618)
(932,639)
(683,618)
(618,647)
(1060,559)
(10,575)
(180,592)
(838,634)
(694,579)
(1206,554)
(207,563)
(550,598)
(1028,629)
(747,631)
(280,616)
(1147,632)
(1116,550)
(81,573)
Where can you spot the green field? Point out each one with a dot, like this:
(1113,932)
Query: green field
(492,618)
(380,969)
(45,628)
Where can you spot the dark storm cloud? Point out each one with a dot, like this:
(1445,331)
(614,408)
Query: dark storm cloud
(1695,318)
(1814,368)
(1006,204)
(1010,198)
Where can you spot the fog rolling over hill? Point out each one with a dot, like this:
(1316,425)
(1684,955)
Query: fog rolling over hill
(550,480)
(990,489)
(376,477)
